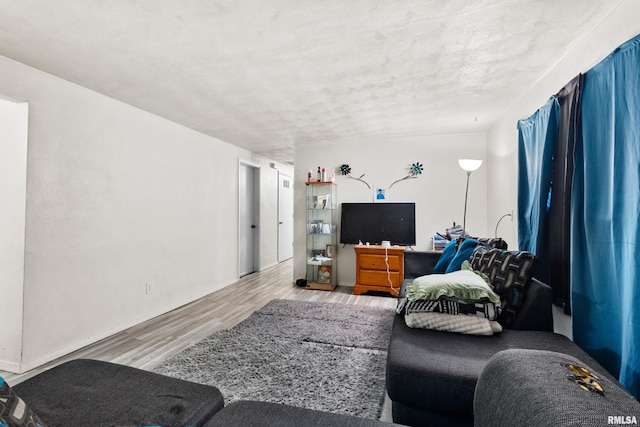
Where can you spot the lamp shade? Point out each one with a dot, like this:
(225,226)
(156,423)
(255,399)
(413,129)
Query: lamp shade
(469,165)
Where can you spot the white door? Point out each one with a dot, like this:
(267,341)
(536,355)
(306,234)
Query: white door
(285,217)
(247,220)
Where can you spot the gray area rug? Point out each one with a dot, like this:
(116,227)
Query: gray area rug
(296,353)
(329,323)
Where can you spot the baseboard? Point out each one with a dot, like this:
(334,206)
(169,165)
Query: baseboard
(266,267)
(29,365)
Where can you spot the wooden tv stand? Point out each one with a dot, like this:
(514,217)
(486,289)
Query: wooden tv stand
(371,269)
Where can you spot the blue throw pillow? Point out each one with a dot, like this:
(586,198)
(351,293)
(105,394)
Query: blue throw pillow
(464,253)
(447,255)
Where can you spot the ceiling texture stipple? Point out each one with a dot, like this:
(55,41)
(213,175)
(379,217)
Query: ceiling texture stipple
(267,75)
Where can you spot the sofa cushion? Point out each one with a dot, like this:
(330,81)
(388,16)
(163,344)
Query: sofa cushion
(419,263)
(257,414)
(85,392)
(488,311)
(437,371)
(14,412)
(463,285)
(471,325)
(510,273)
(410,416)
(494,242)
(465,249)
(535,387)
(446,256)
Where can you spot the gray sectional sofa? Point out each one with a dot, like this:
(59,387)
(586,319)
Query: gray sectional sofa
(432,376)
(520,376)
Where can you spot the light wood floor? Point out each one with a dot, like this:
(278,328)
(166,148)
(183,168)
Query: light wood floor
(149,343)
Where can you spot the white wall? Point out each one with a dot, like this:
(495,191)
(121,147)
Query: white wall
(502,141)
(117,198)
(438,192)
(13,183)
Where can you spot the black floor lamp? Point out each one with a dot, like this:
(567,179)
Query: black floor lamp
(468,165)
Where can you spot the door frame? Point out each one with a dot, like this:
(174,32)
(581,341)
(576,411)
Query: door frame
(290,177)
(256,214)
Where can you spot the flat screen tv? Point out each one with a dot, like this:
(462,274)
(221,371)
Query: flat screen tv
(375,222)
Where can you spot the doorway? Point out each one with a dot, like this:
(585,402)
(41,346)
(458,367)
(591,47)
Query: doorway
(248,218)
(285,217)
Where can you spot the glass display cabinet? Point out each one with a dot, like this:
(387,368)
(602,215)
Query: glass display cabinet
(321,236)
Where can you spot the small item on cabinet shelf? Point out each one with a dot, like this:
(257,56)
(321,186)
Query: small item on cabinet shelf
(310,176)
(324,274)
(315,227)
(324,175)
(330,251)
(314,261)
(318,260)
(320,202)
(319,174)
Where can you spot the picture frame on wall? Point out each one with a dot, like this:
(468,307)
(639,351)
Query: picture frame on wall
(330,251)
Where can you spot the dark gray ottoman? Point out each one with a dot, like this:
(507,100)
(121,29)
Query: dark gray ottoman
(93,393)
(530,387)
(254,414)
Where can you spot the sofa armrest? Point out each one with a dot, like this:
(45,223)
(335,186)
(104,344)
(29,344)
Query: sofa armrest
(530,387)
(535,314)
(419,263)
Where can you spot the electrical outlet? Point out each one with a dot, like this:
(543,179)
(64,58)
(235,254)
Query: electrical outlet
(148,288)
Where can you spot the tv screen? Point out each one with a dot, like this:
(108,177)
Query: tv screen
(375,222)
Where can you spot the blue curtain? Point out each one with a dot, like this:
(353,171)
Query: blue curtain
(559,219)
(536,140)
(605,217)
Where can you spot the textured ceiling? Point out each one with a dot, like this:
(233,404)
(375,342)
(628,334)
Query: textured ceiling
(268,74)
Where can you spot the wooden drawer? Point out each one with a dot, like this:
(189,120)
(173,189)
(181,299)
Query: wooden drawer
(375,277)
(376,262)
(371,269)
